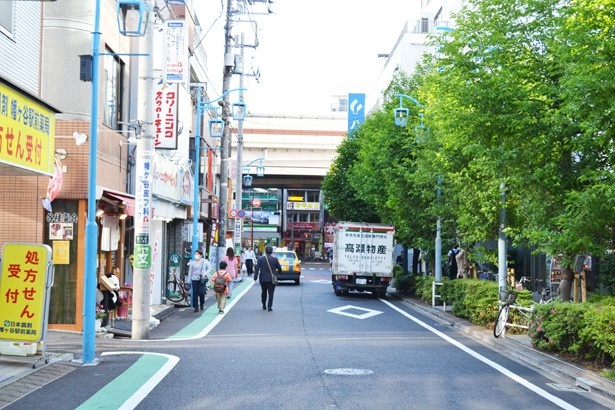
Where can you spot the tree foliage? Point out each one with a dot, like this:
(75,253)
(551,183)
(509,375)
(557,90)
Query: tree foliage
(341,199)
(517,100)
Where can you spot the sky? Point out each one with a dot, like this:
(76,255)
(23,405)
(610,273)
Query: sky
(308,50)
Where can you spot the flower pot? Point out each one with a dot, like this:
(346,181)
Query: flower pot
(97,325)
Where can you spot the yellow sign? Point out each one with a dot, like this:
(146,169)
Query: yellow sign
(61,252)
(23,291)
(27,132)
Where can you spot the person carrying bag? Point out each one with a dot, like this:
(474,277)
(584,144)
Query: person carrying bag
(221,280)
(267,266)
(197,272)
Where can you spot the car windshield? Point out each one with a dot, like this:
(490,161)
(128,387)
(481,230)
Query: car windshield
(287,256)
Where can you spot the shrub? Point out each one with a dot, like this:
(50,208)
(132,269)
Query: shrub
(423,287)
(480,302)
(405,284)
(556,326)
(597,337)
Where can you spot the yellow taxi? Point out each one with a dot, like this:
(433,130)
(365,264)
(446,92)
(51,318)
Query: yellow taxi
(290,263)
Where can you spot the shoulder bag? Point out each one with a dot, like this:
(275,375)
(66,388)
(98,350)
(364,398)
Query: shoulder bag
(274,278)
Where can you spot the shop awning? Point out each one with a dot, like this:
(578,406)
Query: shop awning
(126,199)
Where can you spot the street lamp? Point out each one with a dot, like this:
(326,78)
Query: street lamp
(401,120)
(201,106)
(401,113)
(91,228)
(132,17)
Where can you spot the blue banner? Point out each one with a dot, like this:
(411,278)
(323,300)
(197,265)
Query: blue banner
(356,111)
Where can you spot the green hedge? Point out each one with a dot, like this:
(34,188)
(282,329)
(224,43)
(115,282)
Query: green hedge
(583,330)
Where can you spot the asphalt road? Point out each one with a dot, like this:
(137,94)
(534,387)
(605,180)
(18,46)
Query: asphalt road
(314,351)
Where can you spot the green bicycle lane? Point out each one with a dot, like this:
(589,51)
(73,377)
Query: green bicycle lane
(134,384)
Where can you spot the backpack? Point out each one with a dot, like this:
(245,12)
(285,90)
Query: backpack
(220,282)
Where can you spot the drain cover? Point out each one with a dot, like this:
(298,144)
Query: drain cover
(349,372)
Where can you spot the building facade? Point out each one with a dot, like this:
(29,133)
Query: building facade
(42,71)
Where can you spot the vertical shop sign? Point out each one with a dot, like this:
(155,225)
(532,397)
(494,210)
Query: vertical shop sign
(24,282)
(165,116)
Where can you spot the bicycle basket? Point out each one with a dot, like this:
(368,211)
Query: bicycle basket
(508,296)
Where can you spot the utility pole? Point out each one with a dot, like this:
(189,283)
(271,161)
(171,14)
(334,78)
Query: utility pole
(225,143)
(238,179)
(143,196)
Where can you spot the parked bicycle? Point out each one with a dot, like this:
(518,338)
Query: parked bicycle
(545,293)
(177,290)
(522,315)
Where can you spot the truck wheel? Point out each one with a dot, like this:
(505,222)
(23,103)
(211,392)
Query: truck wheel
(338,292)
(297,281)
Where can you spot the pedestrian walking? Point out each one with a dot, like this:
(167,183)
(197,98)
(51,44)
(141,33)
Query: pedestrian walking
(452,263)
(197,272)
(221,279)
(250,259)
(231,268)
(266,266)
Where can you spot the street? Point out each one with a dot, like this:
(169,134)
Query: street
(314,351)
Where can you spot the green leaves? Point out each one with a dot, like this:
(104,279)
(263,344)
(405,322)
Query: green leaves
(520,93)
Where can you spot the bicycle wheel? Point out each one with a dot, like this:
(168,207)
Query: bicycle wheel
(174,292)
(501,320)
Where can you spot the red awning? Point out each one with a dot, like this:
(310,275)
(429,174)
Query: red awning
(126,199)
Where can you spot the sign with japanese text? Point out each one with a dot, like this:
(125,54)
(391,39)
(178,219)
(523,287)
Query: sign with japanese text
(165,116)
(356,111)
(143,257)
(23,291)
(143,196)
(303,206)
(27,132)
(176,67)
(304,226)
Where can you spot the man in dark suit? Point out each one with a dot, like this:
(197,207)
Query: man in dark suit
(266,265)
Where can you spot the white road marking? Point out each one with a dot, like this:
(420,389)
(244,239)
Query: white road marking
(553,399)
(342,311)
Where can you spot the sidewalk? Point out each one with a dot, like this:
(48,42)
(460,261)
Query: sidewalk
(61,346)
(520,348)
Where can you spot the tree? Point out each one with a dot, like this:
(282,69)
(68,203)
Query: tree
(341,199)
(499,97)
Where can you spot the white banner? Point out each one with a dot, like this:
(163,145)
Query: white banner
(176,52)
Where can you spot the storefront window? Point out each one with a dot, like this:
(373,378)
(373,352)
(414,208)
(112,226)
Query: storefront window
(114,90)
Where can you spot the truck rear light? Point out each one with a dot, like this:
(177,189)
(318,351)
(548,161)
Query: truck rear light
(385,279)
(342,277)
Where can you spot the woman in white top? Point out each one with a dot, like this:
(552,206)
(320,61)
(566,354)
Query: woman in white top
(197,270)
(250,258)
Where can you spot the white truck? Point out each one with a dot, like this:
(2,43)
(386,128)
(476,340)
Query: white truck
(362,258)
